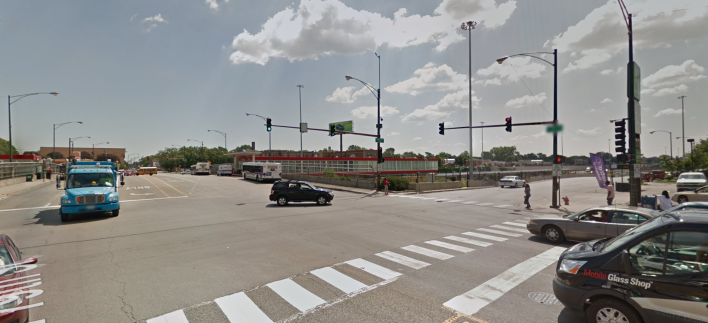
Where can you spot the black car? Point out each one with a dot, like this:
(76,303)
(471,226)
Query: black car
(655,272)
(284,192)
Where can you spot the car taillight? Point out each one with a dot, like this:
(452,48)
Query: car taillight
(271,192)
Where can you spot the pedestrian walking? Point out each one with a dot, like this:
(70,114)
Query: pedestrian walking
(664,201)
(386,185)
(527,195)
(49,173)
(610,192)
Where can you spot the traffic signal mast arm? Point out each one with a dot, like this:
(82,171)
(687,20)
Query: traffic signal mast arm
(327,130)
(503,125)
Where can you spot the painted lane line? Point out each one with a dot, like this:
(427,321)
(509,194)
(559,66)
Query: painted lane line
(154,199)
(485,204)
(484,236)
(239,308)
(515,223)
(471,302)
(522,221)
(470,241)
(502,206)
(504,233)
(173,317)
(470,202)
(403,260)
(449,246)
(339,280)
(374,269)
(427,252)
(427,198)
(296,295)
(509,228)
(453,201)
(31,208)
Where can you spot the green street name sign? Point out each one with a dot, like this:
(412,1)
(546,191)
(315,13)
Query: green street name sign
(554,128)
(381,140)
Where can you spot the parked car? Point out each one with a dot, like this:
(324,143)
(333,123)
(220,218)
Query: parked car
(10,256)
(510,181)
(185,172)
(658,174)
(593,223)
(653,273)
(687,206)
(698,195)
(284,192)
(690,181)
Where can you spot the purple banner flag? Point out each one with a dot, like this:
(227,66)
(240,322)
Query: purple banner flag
(598,167)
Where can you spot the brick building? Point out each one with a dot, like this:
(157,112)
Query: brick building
(119,152)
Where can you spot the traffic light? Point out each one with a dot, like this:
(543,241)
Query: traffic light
(559,159)
(268,125)
(620,142)
(442,128)
(508,124)
(380,155)
(332,130)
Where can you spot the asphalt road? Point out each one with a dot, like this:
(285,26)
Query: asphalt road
(207,248)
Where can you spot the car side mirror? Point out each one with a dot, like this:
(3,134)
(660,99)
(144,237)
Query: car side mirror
(576,219)
(122,183)
(29,261)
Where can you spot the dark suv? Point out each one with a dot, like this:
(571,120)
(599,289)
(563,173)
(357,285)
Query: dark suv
(299,191)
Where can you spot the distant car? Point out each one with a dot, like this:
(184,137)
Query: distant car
(510,181)
(647,177)
(690,181)
(185,172)
(284,192)
(683,207)
(698,195)
(10,277)
(593,223)
(225,170)
(658,174)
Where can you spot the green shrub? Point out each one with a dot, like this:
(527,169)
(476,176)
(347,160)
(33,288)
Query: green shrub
(328,173)
(396,183)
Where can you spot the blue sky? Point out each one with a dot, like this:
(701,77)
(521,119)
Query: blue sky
(145,75)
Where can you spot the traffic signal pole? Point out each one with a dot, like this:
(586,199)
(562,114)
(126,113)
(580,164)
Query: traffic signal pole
(556,179)
(635,180)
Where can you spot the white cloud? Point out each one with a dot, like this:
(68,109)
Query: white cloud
(519,138)
(683,88)
(667,112)
(133,17)
(526,100)
(457,101)
(326,27)
(430,78)
(213,4)
(539,135)
(154,21)
(646,109)
(606,100)
(602,34)
(612,72)
(511,70)
(417,139)
(393,134)
(592,132)
(345,95)
(674,75)
(370,112)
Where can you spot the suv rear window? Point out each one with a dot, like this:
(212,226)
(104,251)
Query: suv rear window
(280,186)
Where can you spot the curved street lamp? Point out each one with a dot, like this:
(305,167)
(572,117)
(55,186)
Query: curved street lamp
(54,136)
(93,148)
(671,142)
(223,134)
(270,151)
(9,114)
(202,149)
(556,181)
(71,141)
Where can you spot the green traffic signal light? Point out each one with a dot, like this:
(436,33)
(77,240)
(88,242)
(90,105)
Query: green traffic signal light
(332,130)
(268,124)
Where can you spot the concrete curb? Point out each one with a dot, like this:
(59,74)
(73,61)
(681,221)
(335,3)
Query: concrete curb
(445,190)
(339,188)
(6,194)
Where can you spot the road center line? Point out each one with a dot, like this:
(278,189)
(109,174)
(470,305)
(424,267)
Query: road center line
(157,187)
(170,186)
(471,302)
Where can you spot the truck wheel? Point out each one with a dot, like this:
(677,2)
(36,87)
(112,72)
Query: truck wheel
(65,217)
(611,310)
(115,213)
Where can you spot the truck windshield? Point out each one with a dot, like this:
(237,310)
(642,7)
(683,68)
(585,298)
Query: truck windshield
(89,180)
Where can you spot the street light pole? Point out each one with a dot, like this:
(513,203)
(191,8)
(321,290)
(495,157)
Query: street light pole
(71,141)
(469,26)
(671,142)
(93,149)
(270,151)
(9,114)
(299,91)
(683,127)
(54,137)
(223,134)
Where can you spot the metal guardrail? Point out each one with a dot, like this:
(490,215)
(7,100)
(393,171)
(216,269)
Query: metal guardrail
(12,170)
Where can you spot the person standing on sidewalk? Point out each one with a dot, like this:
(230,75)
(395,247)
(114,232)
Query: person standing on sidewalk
(610,192)
(527,195)
(386,185)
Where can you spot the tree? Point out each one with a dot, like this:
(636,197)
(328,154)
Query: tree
(106,157)
(242,148)
(390,151)
(58,154)
(4,147)
(355,147)
(504,153)
(462,158)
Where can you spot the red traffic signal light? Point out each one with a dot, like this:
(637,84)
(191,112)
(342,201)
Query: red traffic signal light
(508,124)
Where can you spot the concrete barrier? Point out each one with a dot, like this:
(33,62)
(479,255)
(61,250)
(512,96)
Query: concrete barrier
(332,181)
(13,181)
(421,187)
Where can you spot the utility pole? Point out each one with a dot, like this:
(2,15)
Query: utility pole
(481,155)
(683,127)
(469,26)
(299,91)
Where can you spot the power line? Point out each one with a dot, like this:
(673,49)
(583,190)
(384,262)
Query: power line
(529,89)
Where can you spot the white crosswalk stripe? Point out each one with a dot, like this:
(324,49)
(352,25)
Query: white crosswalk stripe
(485,204)
(484,236)
(522,221)
(295,294)
(502,206)
(239,308)
(173,317)
(339,280)
(470,241)
(516,224)
(374,269)
(504,233)
(509,228)
(427,252)
(470,202)
(449,246)
(453,201)
(403,260)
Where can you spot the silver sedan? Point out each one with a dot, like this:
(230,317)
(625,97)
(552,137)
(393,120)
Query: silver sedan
(593,223)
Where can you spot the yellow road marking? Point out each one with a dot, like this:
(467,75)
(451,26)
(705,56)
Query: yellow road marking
(153,184)
(170,186)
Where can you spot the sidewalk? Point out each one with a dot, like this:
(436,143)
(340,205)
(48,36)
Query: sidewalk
(344,188)
(9,190)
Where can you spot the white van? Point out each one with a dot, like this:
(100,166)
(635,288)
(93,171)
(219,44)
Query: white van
(225,170)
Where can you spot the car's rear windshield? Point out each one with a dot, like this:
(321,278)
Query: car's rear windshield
(692,176)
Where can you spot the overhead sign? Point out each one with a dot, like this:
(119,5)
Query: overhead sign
(381,140)
(343,126)
(634,72)
(303,127)
(554,128)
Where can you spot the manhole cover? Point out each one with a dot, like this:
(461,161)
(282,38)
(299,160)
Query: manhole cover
(544,298)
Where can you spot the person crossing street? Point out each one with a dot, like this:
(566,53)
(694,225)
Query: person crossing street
(527,195)
(385,185)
